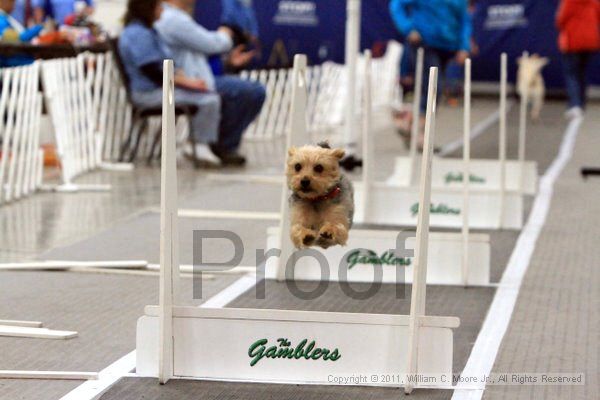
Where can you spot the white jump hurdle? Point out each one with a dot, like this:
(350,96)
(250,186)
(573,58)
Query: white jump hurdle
(176,341)
(448,256)
(370,252)
(21,159)
(488,174)
(398,205)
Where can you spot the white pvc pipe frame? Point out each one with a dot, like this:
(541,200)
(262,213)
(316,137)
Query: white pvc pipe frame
(169,273)
(352,48)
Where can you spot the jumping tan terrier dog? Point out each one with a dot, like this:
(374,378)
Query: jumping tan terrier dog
(321,203)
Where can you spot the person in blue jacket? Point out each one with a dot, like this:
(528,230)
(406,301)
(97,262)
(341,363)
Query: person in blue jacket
(240,13)
(59,9)
(7,22)
(441,27)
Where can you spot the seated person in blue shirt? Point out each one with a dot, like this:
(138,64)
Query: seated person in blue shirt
(8,24)
(143,53)
(59,9)
(191,45)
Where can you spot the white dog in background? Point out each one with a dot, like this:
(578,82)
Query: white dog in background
(531,82)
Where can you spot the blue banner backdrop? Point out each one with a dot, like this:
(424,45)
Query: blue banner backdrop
(317,29)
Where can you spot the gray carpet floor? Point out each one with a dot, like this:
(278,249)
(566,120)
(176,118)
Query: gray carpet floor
(102,308)
(555,326)
(110,225)
(129,389)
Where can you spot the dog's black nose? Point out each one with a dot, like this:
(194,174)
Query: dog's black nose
(305,183)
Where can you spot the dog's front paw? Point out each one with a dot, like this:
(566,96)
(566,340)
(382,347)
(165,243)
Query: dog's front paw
(303,237)
(330,234)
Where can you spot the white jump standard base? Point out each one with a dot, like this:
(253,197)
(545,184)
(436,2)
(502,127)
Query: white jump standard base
(485,174)
(234,345)
(369,257)
(446,207)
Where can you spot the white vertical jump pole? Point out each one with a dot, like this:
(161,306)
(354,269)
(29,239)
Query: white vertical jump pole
(523,129)
(297,136)
(502,141)
(417,302)
(466,171)
(414,134)
(169,236)
(367,137)
(352,49)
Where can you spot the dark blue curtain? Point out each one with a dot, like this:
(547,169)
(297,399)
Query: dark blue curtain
(317,27)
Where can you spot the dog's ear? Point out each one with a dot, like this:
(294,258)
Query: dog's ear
(338,153)
(291,151)
(544,61)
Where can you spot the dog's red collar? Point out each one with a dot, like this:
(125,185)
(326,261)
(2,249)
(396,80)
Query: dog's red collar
(333,193)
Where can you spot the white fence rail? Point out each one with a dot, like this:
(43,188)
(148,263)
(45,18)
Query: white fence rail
(326,95)
(21,159)
(91,117)
(90,114)
(111,109)
(68,94)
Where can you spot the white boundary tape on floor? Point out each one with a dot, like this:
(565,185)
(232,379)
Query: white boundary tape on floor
(498,318)
(168,335)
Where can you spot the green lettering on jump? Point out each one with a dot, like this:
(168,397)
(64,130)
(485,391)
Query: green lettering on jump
(370,257)
(458,177)
(283,349)
(435,209)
